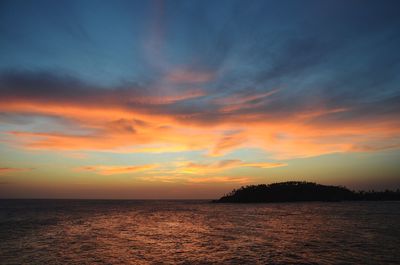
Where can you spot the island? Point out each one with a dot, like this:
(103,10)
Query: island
(302,191)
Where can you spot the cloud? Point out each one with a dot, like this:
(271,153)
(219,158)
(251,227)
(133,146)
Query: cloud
(196,168)
(5,170)
(228,142)
(188,172)
(223,179)
(296,56)
(300,95)
(187,77)
(112,170)
(192,180)
(204,80)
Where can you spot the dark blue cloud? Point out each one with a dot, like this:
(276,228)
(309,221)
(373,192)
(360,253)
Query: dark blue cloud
(341,54)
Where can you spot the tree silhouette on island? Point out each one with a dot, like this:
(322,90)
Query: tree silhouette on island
(296,191)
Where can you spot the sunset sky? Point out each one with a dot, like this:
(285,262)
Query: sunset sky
(189,99)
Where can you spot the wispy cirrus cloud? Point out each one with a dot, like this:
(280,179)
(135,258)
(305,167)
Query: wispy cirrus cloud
(120,120)
(197,168)
(183,76)
(232,79)
(113,170)
(5,170)
(292,95)
(220,179)
(194,180)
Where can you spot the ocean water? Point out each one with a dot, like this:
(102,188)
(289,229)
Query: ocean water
(198,232)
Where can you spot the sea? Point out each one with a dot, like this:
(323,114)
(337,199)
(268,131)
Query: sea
(198,232)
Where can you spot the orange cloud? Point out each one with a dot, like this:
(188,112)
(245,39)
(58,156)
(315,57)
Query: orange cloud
(189,179)
(117,129)
(195,168)
(112,170)
(125,122)
(228,142)
(220,180)
(13,169)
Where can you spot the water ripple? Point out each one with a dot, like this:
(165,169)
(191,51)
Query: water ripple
(197,232)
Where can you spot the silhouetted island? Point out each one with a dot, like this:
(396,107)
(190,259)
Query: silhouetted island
(294,191)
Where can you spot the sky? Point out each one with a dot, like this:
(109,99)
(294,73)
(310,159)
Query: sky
(190,99)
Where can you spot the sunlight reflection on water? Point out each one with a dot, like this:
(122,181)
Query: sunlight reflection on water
(198,232)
